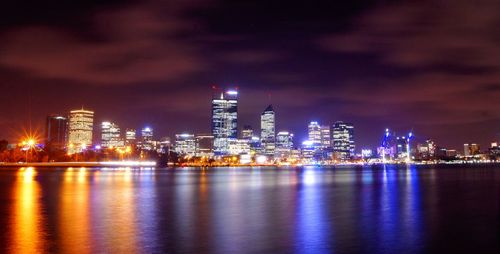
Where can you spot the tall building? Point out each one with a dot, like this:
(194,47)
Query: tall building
(80,129)
(204,145)
(147,138)
(224,120)
(326,137)
(130,136)
(56,132)
(314,133)
(284,144)
(111,135)
(343,140)
(267,131)
(247,132)
(185,144)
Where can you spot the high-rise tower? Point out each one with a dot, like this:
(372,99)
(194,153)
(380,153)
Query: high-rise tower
(224,120)
(267,131)
(81,127)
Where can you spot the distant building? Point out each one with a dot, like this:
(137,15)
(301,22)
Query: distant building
(284,144)
(111,135)
(204,145)
(185,144)
(80,130)
(267,133)
(471,149)
(247,132)
(343,140)
(239,146)
(314,132)
(326,138)
(165,145)
(56,132)
(130,136)
(224,120)
(427,150)
(147,138)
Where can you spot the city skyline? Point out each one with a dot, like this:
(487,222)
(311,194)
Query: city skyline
(97,136)
(153,63)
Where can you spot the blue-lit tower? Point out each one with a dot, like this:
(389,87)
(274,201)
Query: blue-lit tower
(224,120)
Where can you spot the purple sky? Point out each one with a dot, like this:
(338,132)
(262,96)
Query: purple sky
(430,66)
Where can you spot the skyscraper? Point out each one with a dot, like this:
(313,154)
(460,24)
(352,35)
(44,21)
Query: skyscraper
(56,132)
(110,135)
(81,127)
(267,131)
(343,140)
(147,138)
(284,144)
(314,133)
(326,137)
(224,120)
(130,136)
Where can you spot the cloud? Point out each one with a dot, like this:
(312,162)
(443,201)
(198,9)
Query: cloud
(134,43)
(449,50)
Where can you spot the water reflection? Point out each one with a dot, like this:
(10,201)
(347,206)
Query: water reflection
(74,212)
(27,224)
(261,210)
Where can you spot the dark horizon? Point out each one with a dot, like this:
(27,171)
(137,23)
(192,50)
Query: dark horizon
(427,66)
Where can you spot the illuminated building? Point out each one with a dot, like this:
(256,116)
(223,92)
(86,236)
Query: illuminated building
(427,150)
(308,150)
(111,135)
(326,140)
(284,144)
(314,132)
(247,132)
(147,138)
(343,140)
(165,145)
(80,129)
(401,147)
(204,145)
(239,146)
(255,145)
(130,136)
(56,132)
(366,153)
(267,131)
(471,149)
(224,120)
(185,144)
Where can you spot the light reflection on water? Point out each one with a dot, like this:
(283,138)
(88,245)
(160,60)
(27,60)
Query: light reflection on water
(248,210)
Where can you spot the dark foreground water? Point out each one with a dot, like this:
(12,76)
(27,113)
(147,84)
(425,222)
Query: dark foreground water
(244,210)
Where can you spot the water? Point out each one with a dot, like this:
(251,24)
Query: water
(438,209)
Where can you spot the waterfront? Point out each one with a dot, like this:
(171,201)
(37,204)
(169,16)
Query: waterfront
(351,209)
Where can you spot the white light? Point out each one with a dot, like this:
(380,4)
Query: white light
(261,159)
(232,92)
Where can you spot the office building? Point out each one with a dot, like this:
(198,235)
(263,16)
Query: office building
(111,135)
(224,120)
(326,137)
(185,144)
(247,132)
(147,139)
(267,131)
(80,130)
(56,132)
(314,133)
(284,144)
(204,145)
(343,140)
(130,136)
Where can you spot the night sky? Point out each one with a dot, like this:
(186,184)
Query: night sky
(430,66)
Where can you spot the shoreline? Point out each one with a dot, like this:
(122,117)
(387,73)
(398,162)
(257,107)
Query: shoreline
(149,164)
